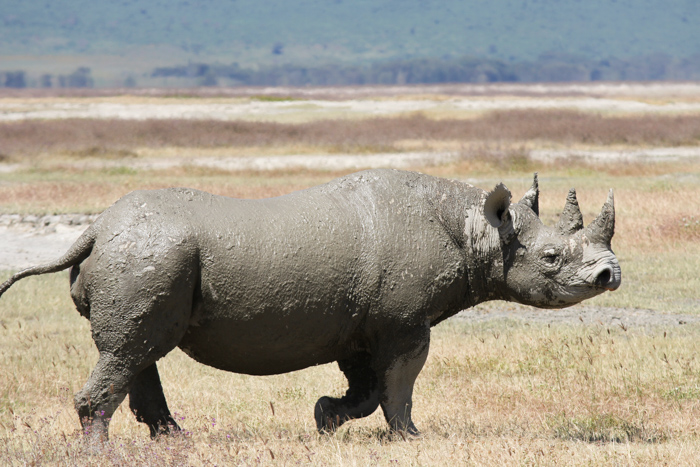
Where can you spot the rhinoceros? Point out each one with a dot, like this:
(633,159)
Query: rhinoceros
(355,271)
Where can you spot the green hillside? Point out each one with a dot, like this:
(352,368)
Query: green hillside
(352,31)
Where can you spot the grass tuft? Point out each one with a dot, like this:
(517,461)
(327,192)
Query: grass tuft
(604,428)
(684,227)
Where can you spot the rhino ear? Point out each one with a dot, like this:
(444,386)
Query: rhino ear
(571,219)
(531,199)
(497,213)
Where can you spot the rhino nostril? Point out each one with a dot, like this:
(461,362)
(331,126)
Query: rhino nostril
(604,276)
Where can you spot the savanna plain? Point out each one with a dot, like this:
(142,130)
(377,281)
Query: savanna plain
(498,390)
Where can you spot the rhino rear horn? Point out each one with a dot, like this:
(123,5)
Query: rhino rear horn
(602,229)
(497,212)
(531,199)
(571,219)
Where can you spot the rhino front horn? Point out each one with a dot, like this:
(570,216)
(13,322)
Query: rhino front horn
(602,229)
(571,219)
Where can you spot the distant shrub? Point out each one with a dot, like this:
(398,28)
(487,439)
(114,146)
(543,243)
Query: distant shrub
(80,78)
(14,79)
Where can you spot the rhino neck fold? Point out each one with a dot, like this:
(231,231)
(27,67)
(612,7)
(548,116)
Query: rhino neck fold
(484,259)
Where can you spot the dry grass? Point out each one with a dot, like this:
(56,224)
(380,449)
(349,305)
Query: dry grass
(64,191)
(123,138)
(490,393)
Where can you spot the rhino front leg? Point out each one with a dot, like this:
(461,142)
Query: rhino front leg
(397,380)
(360,400)
(147,402)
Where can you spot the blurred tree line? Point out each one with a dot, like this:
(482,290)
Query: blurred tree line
(550,67)
(80,78)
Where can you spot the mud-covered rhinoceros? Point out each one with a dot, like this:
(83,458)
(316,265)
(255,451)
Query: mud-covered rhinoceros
(355,271)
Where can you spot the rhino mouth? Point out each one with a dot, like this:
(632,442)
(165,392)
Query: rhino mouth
(569,294)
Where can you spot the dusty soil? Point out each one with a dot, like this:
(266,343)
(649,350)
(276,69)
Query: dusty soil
(587,314)
(334,162)
(594,89)
(245,109)
(283,104)
(32,240)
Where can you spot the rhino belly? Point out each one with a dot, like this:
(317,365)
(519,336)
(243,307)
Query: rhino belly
(267,344)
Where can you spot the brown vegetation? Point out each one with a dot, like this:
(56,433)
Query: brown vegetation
(93,191)
(86,137)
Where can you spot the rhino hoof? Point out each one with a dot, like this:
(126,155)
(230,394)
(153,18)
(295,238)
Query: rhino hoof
(409,434)
(327,421)
(160,430)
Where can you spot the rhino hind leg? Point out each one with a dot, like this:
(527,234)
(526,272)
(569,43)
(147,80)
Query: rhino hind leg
(133,327)
(115,375)
(147,402)
(104,390)
(360,400)
(113,378)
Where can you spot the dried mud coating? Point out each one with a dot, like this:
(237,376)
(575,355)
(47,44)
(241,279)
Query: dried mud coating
(354,271)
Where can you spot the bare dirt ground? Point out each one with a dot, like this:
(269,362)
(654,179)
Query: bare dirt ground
(30,240)
(334,162)
(246,109)
(594,89)
(586,314)
(338,162)
(303,104)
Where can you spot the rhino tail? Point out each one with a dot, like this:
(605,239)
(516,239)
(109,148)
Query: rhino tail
(77,253)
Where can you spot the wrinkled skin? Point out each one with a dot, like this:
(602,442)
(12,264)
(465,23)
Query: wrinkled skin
(354,271)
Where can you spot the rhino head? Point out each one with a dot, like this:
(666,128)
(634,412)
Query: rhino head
(551,267)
